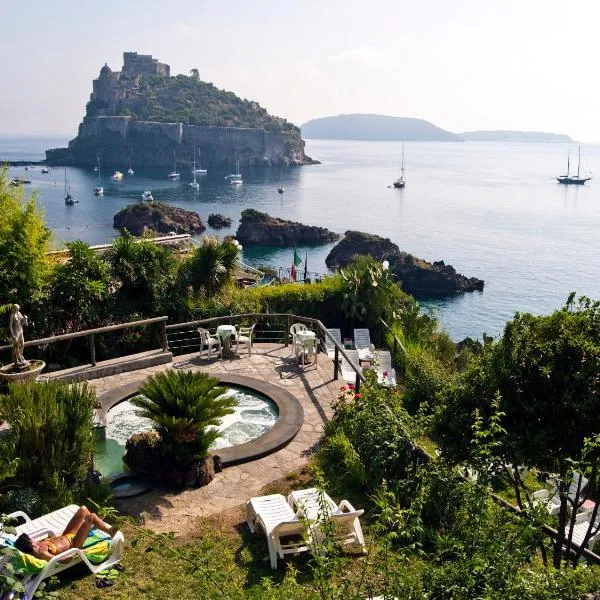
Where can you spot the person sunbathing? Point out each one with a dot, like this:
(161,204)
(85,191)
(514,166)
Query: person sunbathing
(74,536)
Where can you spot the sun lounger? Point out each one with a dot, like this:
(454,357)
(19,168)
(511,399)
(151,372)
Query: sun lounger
(53,524)
(336,334)
(348,373)
(286,533)
(317,506)
(386,375)
(362,343)
(580,529)
(551,498)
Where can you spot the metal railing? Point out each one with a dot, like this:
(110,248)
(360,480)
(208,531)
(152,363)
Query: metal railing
(90,334)
(270,327)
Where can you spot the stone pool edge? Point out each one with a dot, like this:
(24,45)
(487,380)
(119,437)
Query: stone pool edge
(291,416)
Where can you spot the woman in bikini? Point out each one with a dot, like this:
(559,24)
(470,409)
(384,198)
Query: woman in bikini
(74,536)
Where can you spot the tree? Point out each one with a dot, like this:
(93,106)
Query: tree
(195,73)
(78,288)
(24,243)
(186,408)
(545,373)
(211,265)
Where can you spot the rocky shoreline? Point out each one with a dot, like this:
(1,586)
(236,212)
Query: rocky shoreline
(417,276)
(260,229)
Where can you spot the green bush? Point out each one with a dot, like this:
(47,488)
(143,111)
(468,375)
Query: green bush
(51,429)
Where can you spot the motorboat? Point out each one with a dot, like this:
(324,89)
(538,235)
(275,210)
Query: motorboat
(147,196)
(45,169)
(117,176)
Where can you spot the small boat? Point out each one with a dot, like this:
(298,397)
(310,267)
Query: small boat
(194,184)
(20,180)
(147,196)
(130,170)
(198,171)
(69,199)
(117,176)
(575,179)
(95,169)
(45,169)
(98,190)
(235,178)
(174,174)
(400,183)
(281,189)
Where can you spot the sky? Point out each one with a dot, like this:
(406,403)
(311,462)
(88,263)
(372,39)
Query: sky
(461,64)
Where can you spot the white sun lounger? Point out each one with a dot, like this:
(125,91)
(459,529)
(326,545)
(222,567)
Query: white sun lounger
(383,359)
(348,373)
(362,343)
(551,498)
(53,524)
(344,517)
(336,334)
(278,521)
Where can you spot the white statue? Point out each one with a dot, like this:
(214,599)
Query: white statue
(15,325)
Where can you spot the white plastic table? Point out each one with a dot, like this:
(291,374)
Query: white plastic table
(302,339)
(225,333)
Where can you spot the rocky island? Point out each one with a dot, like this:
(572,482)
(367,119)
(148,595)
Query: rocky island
(143,115)
(260,229)
(139,219)
(218,221)
(418,277)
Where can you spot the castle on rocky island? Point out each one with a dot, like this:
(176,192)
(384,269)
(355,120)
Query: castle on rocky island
(113,130)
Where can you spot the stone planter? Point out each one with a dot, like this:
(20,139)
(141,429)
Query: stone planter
(12,374)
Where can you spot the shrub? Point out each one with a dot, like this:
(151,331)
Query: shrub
(51,428)
(186,408)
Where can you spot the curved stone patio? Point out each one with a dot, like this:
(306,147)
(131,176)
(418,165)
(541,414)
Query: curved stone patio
(313,387)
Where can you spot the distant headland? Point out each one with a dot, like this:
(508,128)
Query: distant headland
(376,128)
(514,136)
(144,115)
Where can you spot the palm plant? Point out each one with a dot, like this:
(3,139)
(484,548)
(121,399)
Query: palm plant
(186,408)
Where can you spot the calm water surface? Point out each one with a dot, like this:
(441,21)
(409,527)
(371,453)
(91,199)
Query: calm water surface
(492,210)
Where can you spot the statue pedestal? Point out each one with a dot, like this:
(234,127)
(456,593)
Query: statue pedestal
(21,374)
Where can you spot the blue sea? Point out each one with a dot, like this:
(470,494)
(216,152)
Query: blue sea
(492,210)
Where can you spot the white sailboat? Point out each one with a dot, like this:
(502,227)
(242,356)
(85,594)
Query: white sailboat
(174,174)
(194,184)
(400,183)
(281,189)
(98,190)
(69,199)
(130,170)
(199,170)
(235,178)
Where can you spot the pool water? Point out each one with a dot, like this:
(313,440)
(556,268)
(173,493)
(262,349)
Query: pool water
(254,415)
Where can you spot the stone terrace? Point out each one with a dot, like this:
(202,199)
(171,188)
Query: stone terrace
(314,388)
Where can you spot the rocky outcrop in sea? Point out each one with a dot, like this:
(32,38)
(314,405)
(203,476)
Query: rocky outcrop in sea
(260,229)
(417,276)
(218,221)
(160,218)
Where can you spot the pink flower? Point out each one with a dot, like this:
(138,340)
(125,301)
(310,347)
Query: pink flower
(343,388)
(385,373)
(351,386)
(358,396)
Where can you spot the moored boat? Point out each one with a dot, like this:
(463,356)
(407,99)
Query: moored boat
(174,174)
(117,176)
(400,182)
(569,179)
(147,196)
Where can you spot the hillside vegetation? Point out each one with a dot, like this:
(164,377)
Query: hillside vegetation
(189,100)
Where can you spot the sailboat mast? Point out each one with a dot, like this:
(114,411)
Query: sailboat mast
(578,161)
(402,161)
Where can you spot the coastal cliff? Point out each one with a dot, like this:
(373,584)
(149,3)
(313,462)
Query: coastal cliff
(260,229)
(144,116)
(417,276)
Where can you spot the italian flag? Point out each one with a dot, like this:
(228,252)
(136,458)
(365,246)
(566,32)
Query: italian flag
(296,262)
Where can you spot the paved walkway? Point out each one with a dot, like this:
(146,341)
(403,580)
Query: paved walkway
(313,387)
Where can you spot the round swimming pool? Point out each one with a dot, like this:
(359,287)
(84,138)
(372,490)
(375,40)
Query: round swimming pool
(253,416)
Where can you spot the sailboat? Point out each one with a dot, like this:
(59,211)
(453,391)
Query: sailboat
(130,170)
(69,200)
(199,170)
(281,189)
(400,183)
(575,179)
(235,178)
(194,184)
(98,190)
(174,174)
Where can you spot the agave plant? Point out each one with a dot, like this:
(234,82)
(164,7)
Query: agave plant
(184,405)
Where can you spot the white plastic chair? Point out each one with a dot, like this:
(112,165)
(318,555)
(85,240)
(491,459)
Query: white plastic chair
(362,343)
(53,524)
(317,506)
(281,525)
(336,334)
(348,373)
(383,360)
(293,330)
(244,336)
(209,341)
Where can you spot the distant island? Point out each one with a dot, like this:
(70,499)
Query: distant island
(143,115)
(514,136)
(376,128)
